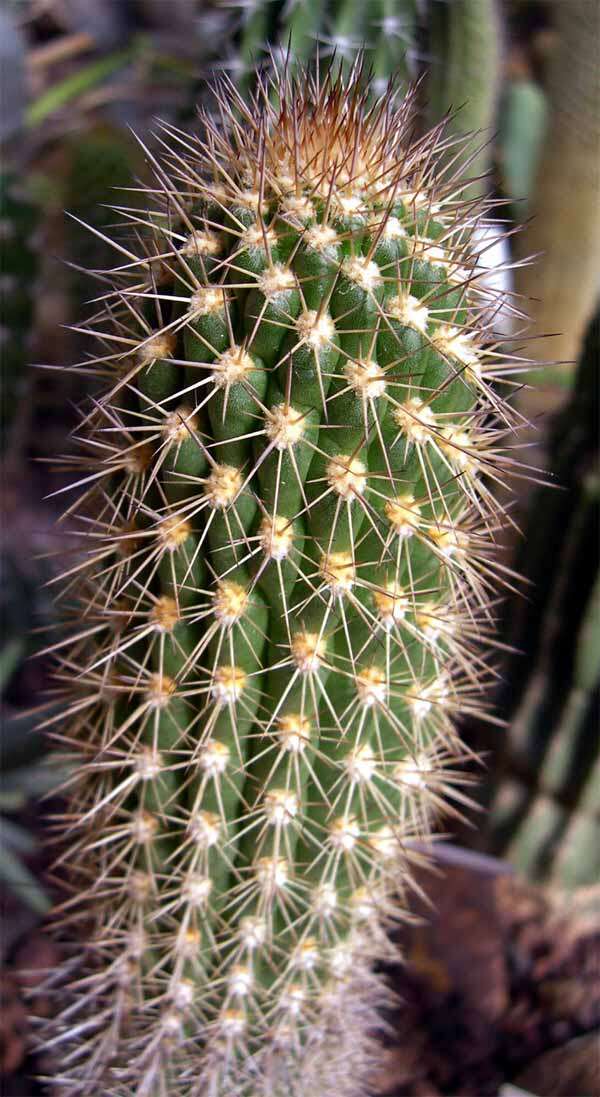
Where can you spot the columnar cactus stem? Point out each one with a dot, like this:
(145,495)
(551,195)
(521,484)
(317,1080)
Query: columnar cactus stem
(545,810)
(287,523)
(569,164)
(466,50)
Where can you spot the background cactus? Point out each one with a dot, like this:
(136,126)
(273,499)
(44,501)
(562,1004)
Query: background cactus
(18,217)
(281,581)
(569,163)
(297,29)
(545,803)
(465,47)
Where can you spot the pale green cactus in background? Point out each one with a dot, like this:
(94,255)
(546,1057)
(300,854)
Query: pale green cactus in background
(545,794)
(563,286)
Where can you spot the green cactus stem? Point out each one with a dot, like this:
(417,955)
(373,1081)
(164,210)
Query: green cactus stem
(283,598)
(545,808)
(465,48)
(563,285)
(18,218)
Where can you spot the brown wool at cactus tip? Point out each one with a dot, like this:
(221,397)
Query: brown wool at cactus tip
(282,592)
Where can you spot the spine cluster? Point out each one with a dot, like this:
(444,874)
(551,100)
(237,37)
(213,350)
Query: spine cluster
(281,581)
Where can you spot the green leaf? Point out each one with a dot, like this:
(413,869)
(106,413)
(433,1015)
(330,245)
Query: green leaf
(22,882)
(16,837)
(75,85)
(10,656)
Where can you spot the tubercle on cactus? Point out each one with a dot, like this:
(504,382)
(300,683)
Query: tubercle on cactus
(282,580)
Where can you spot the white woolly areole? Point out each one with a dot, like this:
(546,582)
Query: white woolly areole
(222,486)
(344,833)
(298,208)
(392,604)
(256,237)
(293,731)
(449,542)
(363,271)
(253,932)
(363,903)
(240,981)
(272,873)
(430,619)
(338,571)
(276,537)
(324,900)
(385,842)
(196,890)
(403,514)
(416,420)
(413,771)
(350,204)
(292,999)
(148,764)
(457,344)
(160,690)
(371,686)
(232,1023)
(227,684)
(206,301)
(316,329)
(366,378)
(200,243)
(280,806)
(347,476)
(276,280)
(158,347)
(308,650)
(143,827)
(408,310)
(179,424)
(341,960)
(231,367)
(306,955)
(229,601)
(251,199)
(182,994)
(214,758)
(173,532)
(421,247)
(284,426)
(320,237)
(204,828)
(420,702)
(361,764)
(457,444)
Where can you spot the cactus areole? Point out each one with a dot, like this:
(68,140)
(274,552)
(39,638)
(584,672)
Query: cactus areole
(278,594)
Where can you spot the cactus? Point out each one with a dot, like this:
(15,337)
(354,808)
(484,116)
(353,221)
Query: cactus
(563,286)
(522,126)
(293,33)
(465,49)
(18,216)
(281,583)
(545,807)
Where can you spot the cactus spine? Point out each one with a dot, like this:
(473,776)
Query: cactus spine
(287,526)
